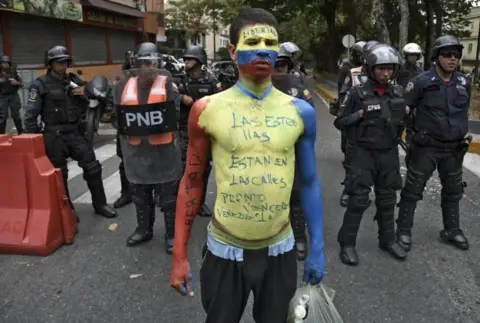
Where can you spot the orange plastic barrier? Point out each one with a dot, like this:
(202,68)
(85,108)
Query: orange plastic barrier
(35,216)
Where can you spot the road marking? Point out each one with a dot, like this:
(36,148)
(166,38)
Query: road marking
(472,163)
(103,153)
(322,99)
(112,190)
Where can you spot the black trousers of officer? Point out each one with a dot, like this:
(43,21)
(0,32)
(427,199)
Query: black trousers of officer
(62,144)
(296,216)
(121,169)
(12,102)
(423,160)
(378,168)
(208,166)
(146,196)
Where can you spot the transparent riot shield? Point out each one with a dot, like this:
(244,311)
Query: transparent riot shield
(146,119)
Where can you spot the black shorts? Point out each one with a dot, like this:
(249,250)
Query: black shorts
(226,286)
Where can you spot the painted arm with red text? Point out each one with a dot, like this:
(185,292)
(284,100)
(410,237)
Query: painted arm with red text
(189,198)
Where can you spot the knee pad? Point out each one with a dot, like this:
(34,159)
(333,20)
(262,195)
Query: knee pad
(386,201)
(92,169)
(359,202)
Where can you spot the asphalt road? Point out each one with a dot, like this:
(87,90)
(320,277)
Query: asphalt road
(91,281)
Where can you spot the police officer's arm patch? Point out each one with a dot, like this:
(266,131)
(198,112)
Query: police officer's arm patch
(347,80)
(307,94)
(175,87)
(219,86)
(409,87)
(32,97)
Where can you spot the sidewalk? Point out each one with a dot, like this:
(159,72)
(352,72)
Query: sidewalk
(327,91)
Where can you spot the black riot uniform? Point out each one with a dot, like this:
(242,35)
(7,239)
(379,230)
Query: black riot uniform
(375,160)
(52,98)
(440,125)
(9,98)
(126,194)
(355,76)
(347,65)
(291,85)
(407,72)
(197,83)
(150,151)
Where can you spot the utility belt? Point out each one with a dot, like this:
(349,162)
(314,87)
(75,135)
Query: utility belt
(61,128)
(422,138)
(146,119)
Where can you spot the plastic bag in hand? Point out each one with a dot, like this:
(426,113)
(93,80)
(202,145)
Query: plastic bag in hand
(311,304)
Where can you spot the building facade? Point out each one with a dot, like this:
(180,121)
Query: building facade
(222,39)
(470,43)
(96,32)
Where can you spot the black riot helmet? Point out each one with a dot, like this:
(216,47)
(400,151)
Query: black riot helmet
(382,55)
(285,56)
(5,59)
(369,44)
(195,52)
(357,51)
(443,42)
(57,54)
(146,53)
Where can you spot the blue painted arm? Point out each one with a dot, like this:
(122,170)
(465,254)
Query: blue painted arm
(310,193)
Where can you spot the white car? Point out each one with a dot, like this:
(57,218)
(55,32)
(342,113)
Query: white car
(179,66)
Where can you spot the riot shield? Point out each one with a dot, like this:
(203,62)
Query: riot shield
(146,117)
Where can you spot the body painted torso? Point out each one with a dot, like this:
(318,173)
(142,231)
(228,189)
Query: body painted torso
(253,151)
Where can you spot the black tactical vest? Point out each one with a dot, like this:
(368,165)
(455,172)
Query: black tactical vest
(59,106)
(383,117)
(196,89)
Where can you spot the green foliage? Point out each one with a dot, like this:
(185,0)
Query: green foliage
(164,49)
(454,13)
(191,16)
(222,52)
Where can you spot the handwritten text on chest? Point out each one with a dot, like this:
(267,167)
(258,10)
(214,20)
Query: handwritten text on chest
(249,124)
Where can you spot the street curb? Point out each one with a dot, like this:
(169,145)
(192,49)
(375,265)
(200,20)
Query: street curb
(324,93)
(473,148)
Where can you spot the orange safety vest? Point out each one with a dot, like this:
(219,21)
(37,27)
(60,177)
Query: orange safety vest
(158,94)
(356,71)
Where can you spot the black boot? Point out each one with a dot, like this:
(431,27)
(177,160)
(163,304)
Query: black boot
(99,200)
(386,227)
(126,195)
(169,230)
(348,255)
(145,221)
(18,125)
(347,235)
(405,224)
(298,225)
(452,234)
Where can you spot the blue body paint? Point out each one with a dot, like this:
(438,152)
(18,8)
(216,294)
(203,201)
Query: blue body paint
(310,192)
(245,57)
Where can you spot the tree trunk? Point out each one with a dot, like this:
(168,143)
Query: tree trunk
(437,8)
(378,18)
(430,36)
(404,23)
(329,10)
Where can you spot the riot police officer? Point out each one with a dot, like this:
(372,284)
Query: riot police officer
(10,83)
(125,193)
(412,53)
(439,99)
(150,149)
(193,86)
(356,61)
(59,106)
(373,119)
(355,76)
(284,81)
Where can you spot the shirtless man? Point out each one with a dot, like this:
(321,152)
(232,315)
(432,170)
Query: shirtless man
(254,132)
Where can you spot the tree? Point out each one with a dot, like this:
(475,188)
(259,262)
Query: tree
(223,53)
(190,16)
(403,28)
